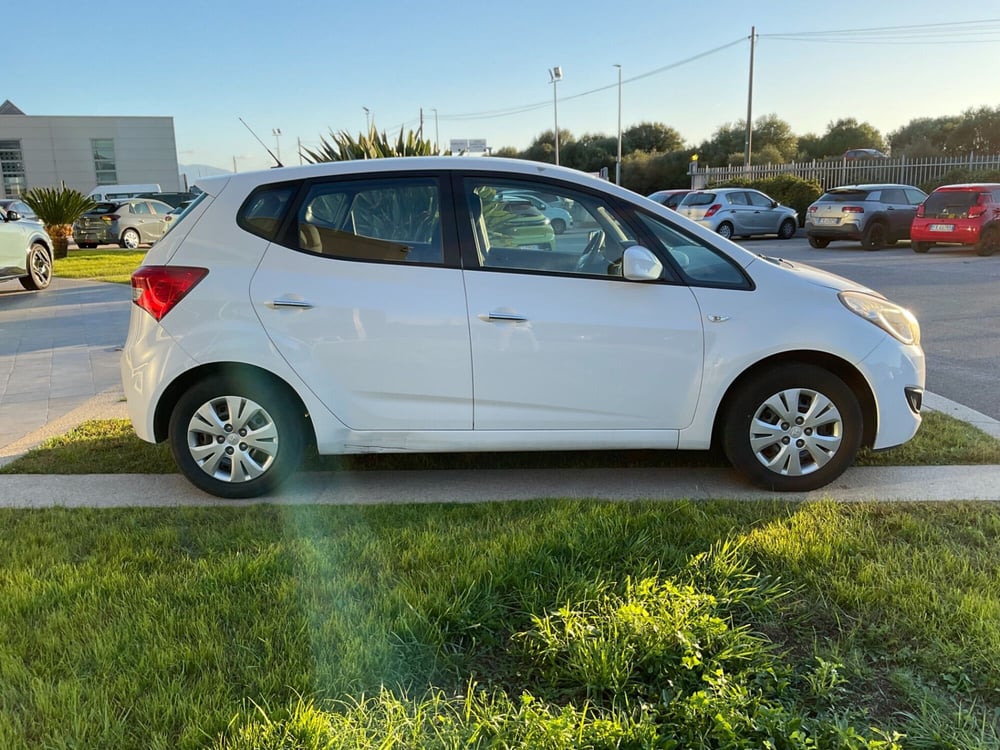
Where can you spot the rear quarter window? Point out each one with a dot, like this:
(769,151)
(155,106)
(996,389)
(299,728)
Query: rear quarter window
(263,212)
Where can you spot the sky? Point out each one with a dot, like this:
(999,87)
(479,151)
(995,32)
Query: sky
(482,71)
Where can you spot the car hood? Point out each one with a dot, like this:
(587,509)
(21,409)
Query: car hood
(809,274)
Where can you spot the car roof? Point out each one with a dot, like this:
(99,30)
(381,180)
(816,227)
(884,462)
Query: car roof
(970,186)
(247,181)
(872,186)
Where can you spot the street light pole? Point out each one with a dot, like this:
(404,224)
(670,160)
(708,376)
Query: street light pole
(437,143)
(368,121)
(618,163)
(276,132)
(555,75)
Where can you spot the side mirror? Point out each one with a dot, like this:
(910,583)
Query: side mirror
(639,264)
(13,215)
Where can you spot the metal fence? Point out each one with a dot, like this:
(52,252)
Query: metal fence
(833,172)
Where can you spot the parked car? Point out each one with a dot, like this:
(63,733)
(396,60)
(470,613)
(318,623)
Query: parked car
(864,153)
(518,223)
(364,306)
(25,251)
(128,223)
(740,212)
(23,209)
(559,218)
(874,215)
(669,198)
(967,214)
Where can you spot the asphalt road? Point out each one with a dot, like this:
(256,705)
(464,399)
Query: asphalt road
(952,291)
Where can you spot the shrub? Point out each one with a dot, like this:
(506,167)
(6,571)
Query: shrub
(958,176)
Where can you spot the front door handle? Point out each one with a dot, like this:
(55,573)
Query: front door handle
(496,315)
(298,304)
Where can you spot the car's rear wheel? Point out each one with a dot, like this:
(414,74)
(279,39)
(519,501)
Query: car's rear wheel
(920,247)
(130,239)
(793,428)
(236,437)
(39,273)
(818,242)
(875,236)
(558,226)
(726,230)
(787,229)
(989,243)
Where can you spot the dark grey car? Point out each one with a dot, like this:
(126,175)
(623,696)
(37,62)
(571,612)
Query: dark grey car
(874,215)
(127,223)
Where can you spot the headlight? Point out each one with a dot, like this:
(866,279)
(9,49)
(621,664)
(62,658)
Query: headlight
(895,320)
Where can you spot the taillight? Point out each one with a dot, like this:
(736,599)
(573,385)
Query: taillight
(156,289)
(853,209)
(713,209)
(920,211)
(979,209)
(812,209)
(110,217)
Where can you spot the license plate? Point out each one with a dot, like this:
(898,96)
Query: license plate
(942,227)
(825,220)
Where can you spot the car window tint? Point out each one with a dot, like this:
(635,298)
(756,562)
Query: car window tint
(698,199)
(395,219)
(915,197)
(263,211)
(894,196)
(737,199)
(515,235)
(141,208)
(700,264)
(759,200)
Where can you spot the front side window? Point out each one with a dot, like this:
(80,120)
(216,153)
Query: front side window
(103,150)
(396,219)
(759,200)
(699,263)
(526,226)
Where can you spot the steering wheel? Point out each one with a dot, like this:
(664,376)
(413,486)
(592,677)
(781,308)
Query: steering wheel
(591,258)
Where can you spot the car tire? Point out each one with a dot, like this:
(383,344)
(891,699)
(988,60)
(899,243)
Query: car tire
(130,239)
(787,229)
(208,422)
(725,230)
(818,242)
(920,247)
(875,236)
(39,273)
(558,226)
(989,243)
(792,428)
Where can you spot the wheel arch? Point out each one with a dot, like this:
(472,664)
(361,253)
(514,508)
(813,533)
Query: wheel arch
(832,363)
(256,375)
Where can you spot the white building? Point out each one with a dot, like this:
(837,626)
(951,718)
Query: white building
(84,152)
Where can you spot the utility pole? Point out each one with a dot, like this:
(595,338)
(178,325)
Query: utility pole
(748,142)
(437,142)
(618,161)
(420,133)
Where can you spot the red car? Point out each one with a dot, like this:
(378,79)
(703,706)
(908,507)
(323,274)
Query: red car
(966,214)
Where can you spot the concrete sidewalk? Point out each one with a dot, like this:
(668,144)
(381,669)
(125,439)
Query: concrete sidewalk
(59,354)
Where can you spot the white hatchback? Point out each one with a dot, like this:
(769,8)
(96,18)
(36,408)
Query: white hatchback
(381,306)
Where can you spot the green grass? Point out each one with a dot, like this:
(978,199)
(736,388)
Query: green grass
(551,623)
(100,265)
(111,447)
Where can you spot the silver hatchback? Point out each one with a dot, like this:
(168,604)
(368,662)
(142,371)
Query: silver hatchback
(874,215)
(739,212)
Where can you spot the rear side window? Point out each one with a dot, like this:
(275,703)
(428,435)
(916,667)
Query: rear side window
(262,212)
(396,219)
(894,196)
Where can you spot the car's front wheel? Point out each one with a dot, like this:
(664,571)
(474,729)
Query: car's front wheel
(39,273)
(794,428)
(787,229)
(558,226)
(130,239)
(236,437)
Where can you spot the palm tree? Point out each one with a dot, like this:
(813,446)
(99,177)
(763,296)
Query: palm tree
(57,209)
(373,145)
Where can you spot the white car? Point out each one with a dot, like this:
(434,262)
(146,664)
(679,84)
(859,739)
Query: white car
(376,306)
(559,218)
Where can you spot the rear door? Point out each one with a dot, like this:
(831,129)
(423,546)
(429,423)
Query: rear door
(362,297)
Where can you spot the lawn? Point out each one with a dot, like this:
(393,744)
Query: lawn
(549,624)
(100,265)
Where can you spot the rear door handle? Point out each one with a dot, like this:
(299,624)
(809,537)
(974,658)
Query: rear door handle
(297,304)
(496,316)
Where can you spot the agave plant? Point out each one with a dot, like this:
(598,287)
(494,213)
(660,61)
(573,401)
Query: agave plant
(57,209)
(343,146)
